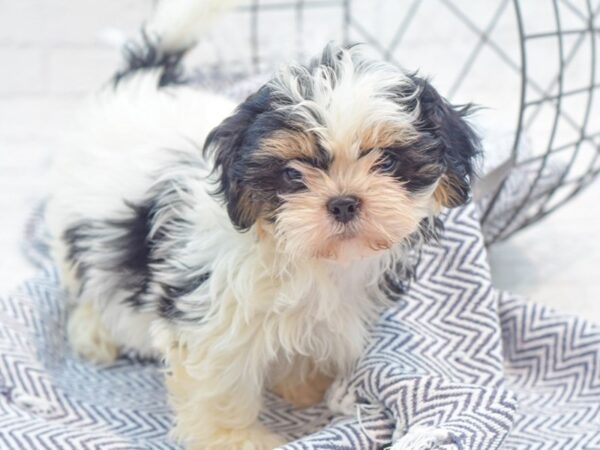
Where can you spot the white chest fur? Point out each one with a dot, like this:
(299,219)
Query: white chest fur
(314,310)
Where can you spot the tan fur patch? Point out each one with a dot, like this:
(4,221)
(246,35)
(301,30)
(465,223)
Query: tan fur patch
(308,393)
(386,135)
(446,193)
(387,213)
(248,209)
(288,145)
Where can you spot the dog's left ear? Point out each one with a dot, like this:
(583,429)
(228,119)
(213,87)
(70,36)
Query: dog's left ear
(454,140)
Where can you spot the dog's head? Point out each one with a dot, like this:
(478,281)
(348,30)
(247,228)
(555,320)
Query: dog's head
(343,157)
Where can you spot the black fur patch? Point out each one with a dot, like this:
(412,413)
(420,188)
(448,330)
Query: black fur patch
(147,55)
(134,244)
(329,59)
(118,247)
(249,184)
(78,240)
(127,252)
(446,139)
(418,165)
(167,305)
(397,282)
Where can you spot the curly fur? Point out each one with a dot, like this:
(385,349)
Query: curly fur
(200,232)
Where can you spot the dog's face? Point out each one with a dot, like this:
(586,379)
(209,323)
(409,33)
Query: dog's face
(342,158)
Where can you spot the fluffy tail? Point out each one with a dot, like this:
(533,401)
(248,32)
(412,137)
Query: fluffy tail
(173,30)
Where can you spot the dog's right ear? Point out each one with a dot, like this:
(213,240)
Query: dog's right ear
(230,145)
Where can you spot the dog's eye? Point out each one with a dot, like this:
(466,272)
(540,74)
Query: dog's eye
(291,175)
(388,163)
(292,180)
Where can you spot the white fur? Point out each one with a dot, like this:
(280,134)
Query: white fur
(261,314)
(122,143)
(179,23)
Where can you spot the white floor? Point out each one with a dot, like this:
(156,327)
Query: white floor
(557,261)
(55,59)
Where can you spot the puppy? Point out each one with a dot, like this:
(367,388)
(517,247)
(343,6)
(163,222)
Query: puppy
(247,245)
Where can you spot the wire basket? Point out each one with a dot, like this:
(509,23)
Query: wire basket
(531,65)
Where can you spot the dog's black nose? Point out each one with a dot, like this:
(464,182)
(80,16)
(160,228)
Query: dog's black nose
(343,208)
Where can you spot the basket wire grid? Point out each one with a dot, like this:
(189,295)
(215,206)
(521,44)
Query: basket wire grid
(568,141)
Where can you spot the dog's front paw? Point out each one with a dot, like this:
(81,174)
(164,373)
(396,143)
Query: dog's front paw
(253,438)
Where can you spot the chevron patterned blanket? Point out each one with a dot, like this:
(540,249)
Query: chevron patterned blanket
(454,365)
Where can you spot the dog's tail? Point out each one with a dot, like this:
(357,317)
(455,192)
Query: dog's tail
(173,30)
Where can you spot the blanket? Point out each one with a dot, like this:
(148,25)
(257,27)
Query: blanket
(454,364)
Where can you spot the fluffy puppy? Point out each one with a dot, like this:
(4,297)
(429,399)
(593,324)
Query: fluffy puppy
(248,246)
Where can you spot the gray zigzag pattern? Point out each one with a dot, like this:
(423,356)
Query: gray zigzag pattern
(451,355)
(553,365)
(431,356)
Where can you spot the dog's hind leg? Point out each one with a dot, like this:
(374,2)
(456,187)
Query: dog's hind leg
(88,336)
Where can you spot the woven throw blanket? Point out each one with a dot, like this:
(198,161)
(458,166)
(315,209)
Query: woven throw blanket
(453,365)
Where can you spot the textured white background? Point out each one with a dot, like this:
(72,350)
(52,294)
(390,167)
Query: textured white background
(51,54)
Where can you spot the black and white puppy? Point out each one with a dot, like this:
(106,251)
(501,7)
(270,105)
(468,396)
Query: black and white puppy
(246,245)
